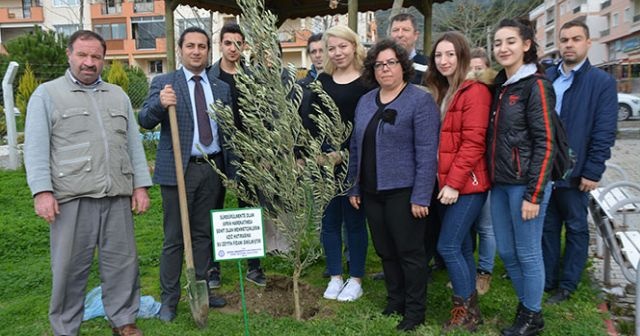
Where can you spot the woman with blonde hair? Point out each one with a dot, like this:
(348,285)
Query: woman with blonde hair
(343,59)
(463,179)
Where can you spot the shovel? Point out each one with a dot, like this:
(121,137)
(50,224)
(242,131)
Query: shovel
(197,291)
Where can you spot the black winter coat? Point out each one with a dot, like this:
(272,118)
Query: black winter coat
(520,135)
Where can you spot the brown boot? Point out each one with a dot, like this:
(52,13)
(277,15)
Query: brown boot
(474,309)
(464,315)
(483,282)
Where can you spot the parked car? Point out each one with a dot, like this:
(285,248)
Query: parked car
(628,106)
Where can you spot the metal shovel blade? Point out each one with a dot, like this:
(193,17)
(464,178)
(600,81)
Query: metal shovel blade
(198,294)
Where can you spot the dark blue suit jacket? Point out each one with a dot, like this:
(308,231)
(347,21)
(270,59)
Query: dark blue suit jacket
(153,113)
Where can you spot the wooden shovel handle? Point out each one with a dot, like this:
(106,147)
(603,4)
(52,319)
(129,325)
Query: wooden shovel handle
(182,193)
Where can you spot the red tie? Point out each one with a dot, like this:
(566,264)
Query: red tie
(204,126)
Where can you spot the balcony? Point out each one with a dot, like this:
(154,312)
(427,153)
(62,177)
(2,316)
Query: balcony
(21,15)
(143,7)
(605,4)
(109,10)
(127,9)
(604,33)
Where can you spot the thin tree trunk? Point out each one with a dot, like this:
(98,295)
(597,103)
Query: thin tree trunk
(296,293)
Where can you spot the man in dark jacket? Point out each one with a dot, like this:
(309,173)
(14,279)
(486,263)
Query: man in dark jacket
(587,104)
(404,30)
(231,46)
(315,49)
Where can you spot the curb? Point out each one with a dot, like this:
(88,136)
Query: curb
(611,329)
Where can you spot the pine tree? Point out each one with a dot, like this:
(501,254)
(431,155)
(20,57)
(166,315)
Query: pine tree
(27,84)
(118,76)
(44,50)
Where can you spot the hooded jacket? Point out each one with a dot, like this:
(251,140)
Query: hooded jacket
(520,137)
(462,145)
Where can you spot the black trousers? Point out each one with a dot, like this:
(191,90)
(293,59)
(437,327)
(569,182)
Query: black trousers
(398,238)
(204,188)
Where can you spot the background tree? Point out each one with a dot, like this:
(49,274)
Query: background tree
(44,50)
(116,75)
(27,84)
(138,86)
(279,155)
(476,18)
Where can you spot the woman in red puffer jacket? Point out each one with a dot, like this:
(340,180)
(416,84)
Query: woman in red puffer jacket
(462,170)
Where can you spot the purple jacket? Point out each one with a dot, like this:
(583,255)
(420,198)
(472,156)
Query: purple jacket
(406,150)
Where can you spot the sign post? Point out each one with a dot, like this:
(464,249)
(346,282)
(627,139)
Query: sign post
(238,234)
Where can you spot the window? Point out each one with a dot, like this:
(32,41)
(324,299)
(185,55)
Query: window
(67,29)
(155,66)
(146,29)
(627,15)
(200,22)
(65,3)
(614,20)
(114,31)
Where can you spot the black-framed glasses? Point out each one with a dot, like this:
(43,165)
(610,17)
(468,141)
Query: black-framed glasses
(389,63)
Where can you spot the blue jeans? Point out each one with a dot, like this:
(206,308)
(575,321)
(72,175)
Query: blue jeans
(567,206)
(340,211)
(454,244)
(486,239)
(520,242)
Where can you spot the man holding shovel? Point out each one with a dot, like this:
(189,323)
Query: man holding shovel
(87,172)
(190,90)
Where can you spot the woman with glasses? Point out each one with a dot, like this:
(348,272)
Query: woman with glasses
(393,169)
(462,171)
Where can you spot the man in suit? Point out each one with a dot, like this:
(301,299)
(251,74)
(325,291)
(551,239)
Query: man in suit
(191,90)
(404,30)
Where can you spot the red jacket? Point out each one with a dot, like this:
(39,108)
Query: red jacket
(461,153)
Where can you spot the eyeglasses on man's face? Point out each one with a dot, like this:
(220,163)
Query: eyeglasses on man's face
(389,63)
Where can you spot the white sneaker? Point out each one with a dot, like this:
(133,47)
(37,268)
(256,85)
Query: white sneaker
(333,289)
(351,291)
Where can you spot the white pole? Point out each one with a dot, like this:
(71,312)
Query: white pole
(7,89)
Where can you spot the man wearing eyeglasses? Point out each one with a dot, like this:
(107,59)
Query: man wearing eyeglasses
(231,46)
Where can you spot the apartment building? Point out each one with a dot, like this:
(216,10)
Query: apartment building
(615,34)
(18,17)
(552,14)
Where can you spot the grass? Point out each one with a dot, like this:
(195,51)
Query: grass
(25,287)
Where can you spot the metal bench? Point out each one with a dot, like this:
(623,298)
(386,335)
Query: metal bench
(610,207)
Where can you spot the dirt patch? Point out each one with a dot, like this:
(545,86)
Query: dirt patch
(276,299)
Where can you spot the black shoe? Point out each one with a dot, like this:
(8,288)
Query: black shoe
(377,276)
(388,311)
(216,301)
(527,323)
(167,314)
(408,324)
(560,295)
(214,278)
(257,277)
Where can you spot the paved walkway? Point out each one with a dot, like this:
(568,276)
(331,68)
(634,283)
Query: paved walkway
(620,294)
